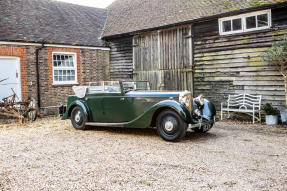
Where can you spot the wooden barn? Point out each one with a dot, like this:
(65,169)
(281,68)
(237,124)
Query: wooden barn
(209,47)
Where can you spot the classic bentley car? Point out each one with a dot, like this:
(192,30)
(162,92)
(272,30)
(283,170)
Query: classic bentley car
(134,105)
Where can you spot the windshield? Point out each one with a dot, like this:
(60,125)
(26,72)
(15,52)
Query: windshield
(136,86)
(104,87)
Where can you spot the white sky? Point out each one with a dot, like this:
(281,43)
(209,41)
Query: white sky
(91,3)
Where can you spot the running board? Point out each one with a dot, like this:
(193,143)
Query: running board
(105,124)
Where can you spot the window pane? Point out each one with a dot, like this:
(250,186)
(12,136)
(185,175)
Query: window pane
(236,24)
(262,20)
(65,75)
(250,22)
(226,26)
(71,61)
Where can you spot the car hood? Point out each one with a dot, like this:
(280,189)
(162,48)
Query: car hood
(149,93)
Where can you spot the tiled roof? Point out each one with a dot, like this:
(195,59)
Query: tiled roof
(50,21)
(125,16)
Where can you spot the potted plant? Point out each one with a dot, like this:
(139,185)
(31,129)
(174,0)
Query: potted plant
(276,56)
(271,114)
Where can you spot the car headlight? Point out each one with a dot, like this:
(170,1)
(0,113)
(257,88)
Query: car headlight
(185,98)
(199,100)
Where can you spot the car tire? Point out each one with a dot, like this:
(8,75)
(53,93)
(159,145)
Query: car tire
(78,118)
(170,126)
(203,129)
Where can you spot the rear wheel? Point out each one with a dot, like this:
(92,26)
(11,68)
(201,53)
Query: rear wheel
(170,126)
(78,118)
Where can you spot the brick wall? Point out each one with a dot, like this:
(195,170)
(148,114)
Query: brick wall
(92,65)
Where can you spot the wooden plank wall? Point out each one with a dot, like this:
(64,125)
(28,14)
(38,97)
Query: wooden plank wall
(232,64)
(121,59)
(164,58)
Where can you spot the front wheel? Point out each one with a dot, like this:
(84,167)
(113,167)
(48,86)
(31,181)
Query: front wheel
(170,126)
(78,118)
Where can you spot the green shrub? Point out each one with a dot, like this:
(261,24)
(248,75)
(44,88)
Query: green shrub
(269,109)
(276,56)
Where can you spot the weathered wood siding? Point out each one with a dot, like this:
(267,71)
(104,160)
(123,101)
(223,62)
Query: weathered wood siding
(232,64)
(121,59)
(164,58)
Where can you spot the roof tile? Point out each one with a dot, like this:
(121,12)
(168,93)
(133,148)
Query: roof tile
(51,21)
(125,16)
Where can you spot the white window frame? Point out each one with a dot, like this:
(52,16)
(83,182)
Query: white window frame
(74,55)
(243,22)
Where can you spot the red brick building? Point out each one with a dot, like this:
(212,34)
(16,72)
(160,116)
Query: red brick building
(50,45)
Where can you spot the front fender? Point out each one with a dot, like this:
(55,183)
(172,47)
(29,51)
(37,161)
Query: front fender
(145,119)
(179,108)
(209,110)
(79,103)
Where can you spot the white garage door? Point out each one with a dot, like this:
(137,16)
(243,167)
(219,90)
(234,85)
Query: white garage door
(10,73)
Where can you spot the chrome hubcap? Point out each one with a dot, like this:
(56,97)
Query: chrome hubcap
(78,117)
(168,126)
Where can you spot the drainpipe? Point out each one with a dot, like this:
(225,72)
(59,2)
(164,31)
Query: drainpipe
(38,76)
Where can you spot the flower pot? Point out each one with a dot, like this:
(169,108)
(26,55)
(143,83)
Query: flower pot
(271,119)
(283,114)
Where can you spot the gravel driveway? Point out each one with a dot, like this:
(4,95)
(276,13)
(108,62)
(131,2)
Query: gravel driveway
(50,155)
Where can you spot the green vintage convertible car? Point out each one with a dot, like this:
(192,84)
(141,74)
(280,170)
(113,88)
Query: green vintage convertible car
(134,105)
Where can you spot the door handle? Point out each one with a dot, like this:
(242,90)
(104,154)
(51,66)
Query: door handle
(122,99)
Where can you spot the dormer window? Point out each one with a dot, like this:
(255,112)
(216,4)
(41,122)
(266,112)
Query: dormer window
(245,22)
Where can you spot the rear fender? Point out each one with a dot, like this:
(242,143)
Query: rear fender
(79,103)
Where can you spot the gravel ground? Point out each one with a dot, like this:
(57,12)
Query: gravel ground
(50,155)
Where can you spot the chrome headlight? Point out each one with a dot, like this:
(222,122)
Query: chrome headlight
(199,100)
(185,98)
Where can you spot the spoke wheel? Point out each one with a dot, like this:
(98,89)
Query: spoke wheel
(170,126)
(32,115)
(78,118)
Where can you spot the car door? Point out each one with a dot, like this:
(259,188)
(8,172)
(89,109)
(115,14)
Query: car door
(117,108)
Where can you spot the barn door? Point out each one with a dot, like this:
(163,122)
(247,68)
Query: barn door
(10,77)
(164,58)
